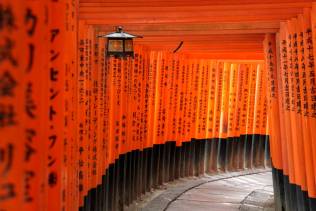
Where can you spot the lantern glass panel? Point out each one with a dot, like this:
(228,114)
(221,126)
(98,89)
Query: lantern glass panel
(115,46)
(128,45)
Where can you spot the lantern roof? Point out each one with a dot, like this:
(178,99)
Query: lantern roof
(121,34)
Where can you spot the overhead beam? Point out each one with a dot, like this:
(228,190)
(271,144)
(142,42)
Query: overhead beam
(196,26)
(147,3)
(191,16)
(101,20)
(215,32)
(226,38)
(226,56)
(210,7)
(223,27)
(208,45)
(202,42)
(204,49)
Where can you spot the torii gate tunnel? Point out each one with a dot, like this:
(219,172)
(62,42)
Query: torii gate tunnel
(82,131)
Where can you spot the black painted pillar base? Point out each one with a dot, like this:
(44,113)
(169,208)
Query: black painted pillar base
(137,172)
(222,155)
(242,152)
(248,151)
(177,162)
(155,165)
(229,154)
(288,196)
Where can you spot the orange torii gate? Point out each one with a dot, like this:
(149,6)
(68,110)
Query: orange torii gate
(80,130)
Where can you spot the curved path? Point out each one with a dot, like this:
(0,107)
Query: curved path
(248,190)
(251,192)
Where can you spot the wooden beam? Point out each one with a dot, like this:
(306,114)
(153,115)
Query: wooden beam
(196,26)
(114,21)
(206,50)
(194,33)
(226,38)
(204,46)
(226,56)
(210,7)
(208,47)
(199,42)
(147,3)
(231,26)
(125,16)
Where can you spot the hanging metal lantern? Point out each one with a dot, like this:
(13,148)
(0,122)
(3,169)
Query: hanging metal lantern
(120,43)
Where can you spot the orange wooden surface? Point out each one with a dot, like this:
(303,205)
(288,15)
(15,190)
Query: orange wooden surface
(90,109)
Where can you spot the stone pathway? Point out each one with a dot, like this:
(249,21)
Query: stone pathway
(250,192)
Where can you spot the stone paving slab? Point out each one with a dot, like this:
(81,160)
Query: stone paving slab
(258,200)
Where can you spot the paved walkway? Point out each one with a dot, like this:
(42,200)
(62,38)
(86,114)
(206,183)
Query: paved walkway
(250,192)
